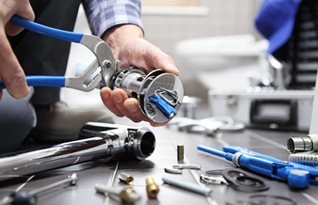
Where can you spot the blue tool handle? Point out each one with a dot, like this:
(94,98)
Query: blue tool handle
(255,164)
(274,169)
(234,149)
(40,80)
(48,31)
(169,111)
(228,156)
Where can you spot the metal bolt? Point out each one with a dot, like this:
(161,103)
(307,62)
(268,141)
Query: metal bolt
(107,63)
(180,149)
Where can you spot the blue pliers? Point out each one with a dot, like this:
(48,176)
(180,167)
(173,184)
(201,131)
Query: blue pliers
(105,63)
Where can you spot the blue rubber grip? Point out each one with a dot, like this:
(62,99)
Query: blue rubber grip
(49,81)
(48,31)
(169,111)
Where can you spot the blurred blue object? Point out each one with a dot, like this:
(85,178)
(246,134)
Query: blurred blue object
(275,21)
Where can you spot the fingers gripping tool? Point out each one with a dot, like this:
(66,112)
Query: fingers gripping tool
(159,94)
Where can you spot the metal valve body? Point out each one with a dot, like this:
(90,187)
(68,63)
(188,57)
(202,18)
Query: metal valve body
(159,94)
(123,142)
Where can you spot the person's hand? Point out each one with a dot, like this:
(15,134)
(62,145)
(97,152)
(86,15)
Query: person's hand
(128,46)
(11,72)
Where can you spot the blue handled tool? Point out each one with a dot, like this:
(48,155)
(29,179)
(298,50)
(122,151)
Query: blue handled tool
(104,70)
(297,176)
(104,59)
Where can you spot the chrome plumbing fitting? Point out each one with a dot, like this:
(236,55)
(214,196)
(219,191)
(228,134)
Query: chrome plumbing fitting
(303,143)
(122,142)
(159,94)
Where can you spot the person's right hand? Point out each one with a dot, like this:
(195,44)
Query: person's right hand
(11,72)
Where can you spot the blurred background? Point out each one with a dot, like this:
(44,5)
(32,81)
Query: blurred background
(214,44)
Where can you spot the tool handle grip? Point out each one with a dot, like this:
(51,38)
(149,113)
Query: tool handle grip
(40,80)
(46,30)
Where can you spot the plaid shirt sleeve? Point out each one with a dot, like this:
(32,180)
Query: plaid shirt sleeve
(104,14)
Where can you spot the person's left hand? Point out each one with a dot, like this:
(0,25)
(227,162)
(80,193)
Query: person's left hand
(128,46)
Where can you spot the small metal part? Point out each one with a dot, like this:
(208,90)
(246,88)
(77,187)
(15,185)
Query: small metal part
(152,188)
(173,171)
(187,186)
(127,195)
(208,179)
(213,177)
(30,198)
(305,158)
(186,166)
(303,143)
(124,177)
(180,149)
(105,143)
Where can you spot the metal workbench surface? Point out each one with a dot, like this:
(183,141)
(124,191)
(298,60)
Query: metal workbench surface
(271,143)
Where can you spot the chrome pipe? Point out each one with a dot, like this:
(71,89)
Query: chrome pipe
(303,143)
(114,143)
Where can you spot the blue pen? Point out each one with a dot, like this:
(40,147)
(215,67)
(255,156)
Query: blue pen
(297,176)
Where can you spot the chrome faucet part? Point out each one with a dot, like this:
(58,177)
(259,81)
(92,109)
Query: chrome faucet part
(115,143)
(159,94)
(303,143)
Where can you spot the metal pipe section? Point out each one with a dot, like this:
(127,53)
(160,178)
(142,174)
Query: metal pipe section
(302,144)
(113,143)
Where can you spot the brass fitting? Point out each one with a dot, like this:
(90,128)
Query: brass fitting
(180,149)
(152,188)
(129,196)
(124,177)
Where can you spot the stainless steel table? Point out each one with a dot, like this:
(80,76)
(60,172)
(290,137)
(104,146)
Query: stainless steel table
(266,142)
